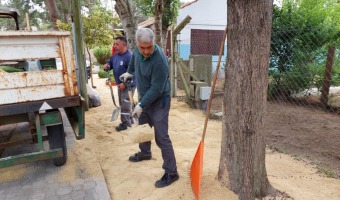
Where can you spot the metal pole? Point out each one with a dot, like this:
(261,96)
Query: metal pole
(79,52)
(172,57)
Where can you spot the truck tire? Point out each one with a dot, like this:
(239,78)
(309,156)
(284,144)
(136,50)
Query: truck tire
(56,139)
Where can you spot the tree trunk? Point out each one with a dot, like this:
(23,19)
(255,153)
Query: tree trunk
(53,12)
(169,16)
(126,10)
(158,22)
(242,162)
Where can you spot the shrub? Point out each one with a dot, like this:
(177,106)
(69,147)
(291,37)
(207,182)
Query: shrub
(102,54)
(289,82)
(102,74)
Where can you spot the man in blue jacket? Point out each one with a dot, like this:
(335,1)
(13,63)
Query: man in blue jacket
(119,62)
(150,66)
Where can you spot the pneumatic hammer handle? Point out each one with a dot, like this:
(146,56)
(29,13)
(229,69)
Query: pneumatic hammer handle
(128,84)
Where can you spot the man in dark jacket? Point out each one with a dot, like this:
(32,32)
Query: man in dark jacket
(150,66)
(119,62)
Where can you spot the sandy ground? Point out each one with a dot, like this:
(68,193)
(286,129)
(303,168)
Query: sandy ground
(135,181)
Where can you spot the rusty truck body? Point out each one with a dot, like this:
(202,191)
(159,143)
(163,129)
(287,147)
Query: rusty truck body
(42,93)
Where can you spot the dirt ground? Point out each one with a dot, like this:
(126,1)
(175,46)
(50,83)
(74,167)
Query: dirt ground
(307,134)
(303,153)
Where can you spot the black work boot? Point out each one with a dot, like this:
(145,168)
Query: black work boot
(167,179)
(121,127)
(139,157)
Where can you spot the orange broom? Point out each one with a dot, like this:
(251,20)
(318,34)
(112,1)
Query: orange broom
(197,163)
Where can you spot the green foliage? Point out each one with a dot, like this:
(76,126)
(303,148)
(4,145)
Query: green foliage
(102,74)
(102,54)
(10,69)
(319,72)
(147,7)
(317,68)
(170,12)
(336,76)
(37,17)
(64,26)
(329,173)
(65,9)
(301,33)
(97,27)
(288,82)
(112,78)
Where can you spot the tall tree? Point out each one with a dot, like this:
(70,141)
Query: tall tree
(97,28)
(158,22)
(65,9)
(126,10)
(168,14)
(242,162)
(53,12)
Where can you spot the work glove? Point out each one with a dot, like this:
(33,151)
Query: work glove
(137,111)
(121,86)
(106,67)
(124,77)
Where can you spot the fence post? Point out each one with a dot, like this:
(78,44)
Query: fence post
(327,76)
(175,32)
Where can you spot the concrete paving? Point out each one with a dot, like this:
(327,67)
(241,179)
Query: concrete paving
(80,178)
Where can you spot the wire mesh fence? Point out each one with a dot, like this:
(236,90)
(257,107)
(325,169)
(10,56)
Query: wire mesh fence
(303,81)
(304,70)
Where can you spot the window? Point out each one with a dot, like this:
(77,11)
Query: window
(206,41)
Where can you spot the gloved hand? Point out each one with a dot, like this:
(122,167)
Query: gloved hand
(106,67)
(121,86)
(125,77)
(137,111)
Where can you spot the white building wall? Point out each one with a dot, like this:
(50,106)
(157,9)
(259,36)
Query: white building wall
(205,14)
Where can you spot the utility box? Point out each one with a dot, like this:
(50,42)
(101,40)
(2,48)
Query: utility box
(199,93)
(201,66)
(195,90)
(205,93)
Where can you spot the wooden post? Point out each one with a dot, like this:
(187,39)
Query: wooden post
(186,88)
(174,33)
(186,68)
(28,22)
(327,76)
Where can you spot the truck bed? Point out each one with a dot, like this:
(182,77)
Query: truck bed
(31,86)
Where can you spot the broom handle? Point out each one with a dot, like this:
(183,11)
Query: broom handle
(213,85)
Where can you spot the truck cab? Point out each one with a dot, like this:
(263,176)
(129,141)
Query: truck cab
(7,15)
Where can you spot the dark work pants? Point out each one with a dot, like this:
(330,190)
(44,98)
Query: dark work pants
(157,115)
(125,106)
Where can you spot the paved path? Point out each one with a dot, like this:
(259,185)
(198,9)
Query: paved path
(80,178)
